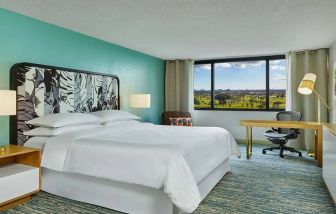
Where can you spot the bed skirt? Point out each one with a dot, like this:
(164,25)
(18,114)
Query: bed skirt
(124,197)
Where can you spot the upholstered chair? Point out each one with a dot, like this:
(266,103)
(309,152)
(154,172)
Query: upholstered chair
(166,115)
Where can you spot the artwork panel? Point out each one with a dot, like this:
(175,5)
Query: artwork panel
(89,93)
(97,93)
(77,99)
(66,91)
(109,93)
(115,89)
(34,89)
(47,90)
(82,93)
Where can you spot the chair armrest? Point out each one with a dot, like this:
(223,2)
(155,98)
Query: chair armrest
(291,136)
(274,129)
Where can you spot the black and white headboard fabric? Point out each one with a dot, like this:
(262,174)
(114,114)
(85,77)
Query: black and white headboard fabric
(43,90)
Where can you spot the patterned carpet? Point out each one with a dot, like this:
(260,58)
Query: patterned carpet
(264,184)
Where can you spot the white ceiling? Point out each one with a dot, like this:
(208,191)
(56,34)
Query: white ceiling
(196,29)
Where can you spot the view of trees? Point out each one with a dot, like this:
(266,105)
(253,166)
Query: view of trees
(240,99)
(241,83)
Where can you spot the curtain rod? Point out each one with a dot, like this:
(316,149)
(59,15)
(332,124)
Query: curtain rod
(295,52)
(310,51)
(172,61)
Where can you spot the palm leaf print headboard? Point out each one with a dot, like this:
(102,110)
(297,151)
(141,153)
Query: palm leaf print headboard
(43,89)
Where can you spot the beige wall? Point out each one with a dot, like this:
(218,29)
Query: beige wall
(332,63)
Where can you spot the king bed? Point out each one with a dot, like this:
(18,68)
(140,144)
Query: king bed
(115,162)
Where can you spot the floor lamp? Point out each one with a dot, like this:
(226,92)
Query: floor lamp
(7,106)
(139,101)
(306,87)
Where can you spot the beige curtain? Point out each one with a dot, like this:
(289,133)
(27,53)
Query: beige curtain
(179,85)
(298,64)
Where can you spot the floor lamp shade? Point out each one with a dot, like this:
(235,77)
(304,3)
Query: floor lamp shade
(139,100)
(307,84)
(306,87)
(7,102)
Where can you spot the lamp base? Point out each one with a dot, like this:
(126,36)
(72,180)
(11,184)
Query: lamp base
(2,149)
(311,153)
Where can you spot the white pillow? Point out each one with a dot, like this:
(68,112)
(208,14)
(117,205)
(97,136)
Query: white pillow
(49,132)
(64,119)
(114,115)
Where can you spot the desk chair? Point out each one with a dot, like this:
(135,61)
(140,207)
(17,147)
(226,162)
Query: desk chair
(281,136)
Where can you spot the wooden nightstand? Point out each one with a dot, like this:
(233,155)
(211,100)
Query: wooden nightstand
(20,175)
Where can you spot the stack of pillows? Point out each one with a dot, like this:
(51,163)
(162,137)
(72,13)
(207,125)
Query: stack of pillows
(56,124)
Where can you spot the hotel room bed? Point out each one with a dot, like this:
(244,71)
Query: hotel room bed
(173,161)
(127,166)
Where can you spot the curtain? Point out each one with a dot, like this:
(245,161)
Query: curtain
(298,64)
(179,85)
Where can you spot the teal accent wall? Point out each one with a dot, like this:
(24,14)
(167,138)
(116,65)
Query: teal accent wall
(24,39)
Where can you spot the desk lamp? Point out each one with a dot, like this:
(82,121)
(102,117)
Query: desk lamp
(139,101)
(7,105)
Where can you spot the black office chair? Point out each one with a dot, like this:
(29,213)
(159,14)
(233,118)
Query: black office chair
(281,136)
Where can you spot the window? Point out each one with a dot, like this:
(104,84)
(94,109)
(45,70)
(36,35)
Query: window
(277,84)
(202,86)
(257,83)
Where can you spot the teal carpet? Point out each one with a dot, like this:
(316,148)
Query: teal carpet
(264,184)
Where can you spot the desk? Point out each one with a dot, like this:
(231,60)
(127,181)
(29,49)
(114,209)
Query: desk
(318,127)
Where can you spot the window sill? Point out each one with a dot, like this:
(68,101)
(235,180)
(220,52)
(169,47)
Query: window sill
(235,109)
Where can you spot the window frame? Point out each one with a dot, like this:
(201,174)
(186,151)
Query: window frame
(212,63)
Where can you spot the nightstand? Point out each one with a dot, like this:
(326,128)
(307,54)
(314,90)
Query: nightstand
(20,175)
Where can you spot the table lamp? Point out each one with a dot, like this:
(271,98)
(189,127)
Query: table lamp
(139,101)
(7,105)
(306,87)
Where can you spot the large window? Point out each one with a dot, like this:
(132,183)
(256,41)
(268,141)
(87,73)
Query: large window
(257,83)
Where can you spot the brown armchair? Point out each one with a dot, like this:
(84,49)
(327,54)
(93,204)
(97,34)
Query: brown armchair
(166,115)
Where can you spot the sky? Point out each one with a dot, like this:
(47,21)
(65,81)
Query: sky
(241,75)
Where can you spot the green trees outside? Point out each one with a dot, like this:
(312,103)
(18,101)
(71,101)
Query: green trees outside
(240,100)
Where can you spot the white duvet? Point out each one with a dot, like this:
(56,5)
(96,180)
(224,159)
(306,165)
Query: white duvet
(171,158)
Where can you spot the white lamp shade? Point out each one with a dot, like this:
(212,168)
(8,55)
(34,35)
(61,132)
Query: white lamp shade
(139,100)
(307,84)
(7,102)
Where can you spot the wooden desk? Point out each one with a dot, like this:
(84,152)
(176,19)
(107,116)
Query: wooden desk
(318,127)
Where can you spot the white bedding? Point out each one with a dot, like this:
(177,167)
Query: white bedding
(37,142)
(172,158)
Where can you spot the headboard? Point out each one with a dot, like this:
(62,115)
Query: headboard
(43,89)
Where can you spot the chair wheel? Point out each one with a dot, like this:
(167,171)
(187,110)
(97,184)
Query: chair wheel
(264,152)
(282,156)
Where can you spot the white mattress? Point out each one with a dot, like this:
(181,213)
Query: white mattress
(171,158)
